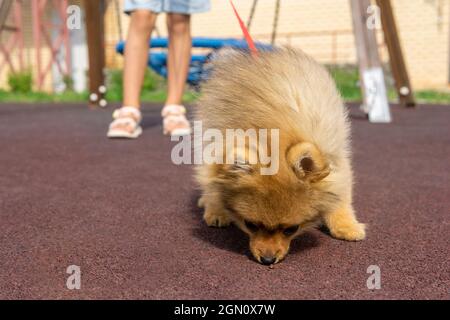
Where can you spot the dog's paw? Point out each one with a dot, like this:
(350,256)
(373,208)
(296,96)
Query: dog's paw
(349,231)
(216,220)
(201,202)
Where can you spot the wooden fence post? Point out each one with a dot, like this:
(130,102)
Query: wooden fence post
(398,67)
(372,82)
(96,50)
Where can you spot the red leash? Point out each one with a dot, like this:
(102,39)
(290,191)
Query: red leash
(247,36)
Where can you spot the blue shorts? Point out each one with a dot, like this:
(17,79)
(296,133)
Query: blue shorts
(173,6)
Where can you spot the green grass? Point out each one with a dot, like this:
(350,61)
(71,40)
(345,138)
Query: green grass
(347,79)
(154,90)
(160,96)
(429,96)
(33,97)
(42,97)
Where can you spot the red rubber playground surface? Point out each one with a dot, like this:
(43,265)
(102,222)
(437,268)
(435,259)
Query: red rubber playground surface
(126,215)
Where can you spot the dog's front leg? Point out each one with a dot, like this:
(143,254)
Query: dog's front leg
(215,215)
(343,225)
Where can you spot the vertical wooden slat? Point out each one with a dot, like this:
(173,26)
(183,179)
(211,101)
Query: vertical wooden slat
(63,5)
(397,62)
(36,10)
(18,18)
(373,87)
(96,49)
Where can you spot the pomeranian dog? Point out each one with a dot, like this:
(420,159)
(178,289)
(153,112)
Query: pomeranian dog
(287,91)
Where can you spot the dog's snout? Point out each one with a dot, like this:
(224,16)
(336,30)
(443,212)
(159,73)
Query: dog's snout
(266,260)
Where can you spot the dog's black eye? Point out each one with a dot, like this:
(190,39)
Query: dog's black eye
(251,226)
(290,231)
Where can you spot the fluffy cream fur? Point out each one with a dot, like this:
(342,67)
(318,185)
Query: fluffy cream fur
(287,90)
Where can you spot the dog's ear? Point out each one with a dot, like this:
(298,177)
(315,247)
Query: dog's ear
(308,162)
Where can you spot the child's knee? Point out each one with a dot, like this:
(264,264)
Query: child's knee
(178,24)
(142,20)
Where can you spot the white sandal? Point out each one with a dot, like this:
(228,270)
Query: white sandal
(175,122)
(130,117)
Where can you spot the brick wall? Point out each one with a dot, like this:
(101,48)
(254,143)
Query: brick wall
(323,28)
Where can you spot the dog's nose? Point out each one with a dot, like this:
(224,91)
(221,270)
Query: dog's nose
(267,260)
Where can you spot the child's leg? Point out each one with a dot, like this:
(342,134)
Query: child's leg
(126,123)
(136,55)
(180,43)
(178,61)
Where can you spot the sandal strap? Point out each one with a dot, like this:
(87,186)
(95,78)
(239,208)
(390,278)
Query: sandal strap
(124,121)
(172,119)
(126,111)
(173,110)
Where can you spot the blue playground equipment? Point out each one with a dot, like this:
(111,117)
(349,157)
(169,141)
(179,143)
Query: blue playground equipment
(199,68)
